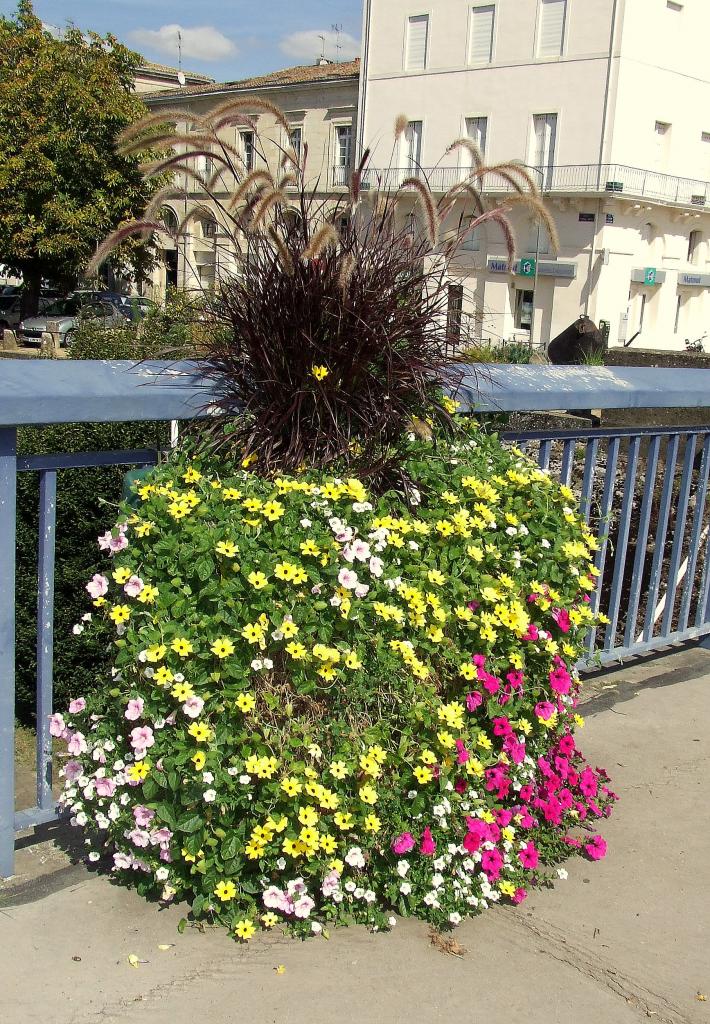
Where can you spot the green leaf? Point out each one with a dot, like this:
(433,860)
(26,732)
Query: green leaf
(189,823)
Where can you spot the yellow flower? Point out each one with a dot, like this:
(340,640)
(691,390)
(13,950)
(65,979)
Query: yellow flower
(372,823)
(309,547)
(367,794)
(483,742)
(579,721)
(225,891)
(285,571)
(231,494)
(336,865)
(244,928)
(191,475)
(435,634)
(428,757)
(370,766)
(269,919)
(507,888)
(162,676)
(343,821)
(200,732)
(227,548)
(138,771)
(320,372)
(468,671)
(308,815)
(423,775)
(148,594)
(273,510)
(121,576)
(222,647)
(450,404)
(120,613)
(266,767)
(328,800)
(473,551)
(446,740)
(249,460)
(289,628)
(297,651)
(309,837)
(245,702)
(328,844)
(291,847)
(434,576)
(181,646)
(254,850)
(338,769)
(199,759)
(258,580)
(253,633)
(291,786)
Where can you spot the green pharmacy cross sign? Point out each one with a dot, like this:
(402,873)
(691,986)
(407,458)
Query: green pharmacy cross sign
(649,275)
(526,267)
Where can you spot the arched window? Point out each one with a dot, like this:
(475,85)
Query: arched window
(169,219)
(209,227)
(694,242)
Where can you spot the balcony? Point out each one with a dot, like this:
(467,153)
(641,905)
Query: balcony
(618,180)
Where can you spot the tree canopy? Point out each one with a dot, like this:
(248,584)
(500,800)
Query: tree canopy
(63,184)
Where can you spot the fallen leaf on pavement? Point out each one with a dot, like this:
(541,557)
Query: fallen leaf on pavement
(280,969)
(447,944)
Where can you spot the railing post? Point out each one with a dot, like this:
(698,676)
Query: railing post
(8,519)
(45,634)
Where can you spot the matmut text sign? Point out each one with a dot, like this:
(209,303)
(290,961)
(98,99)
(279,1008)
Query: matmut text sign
(545,268)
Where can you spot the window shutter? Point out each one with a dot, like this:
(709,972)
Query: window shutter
(417,42)
(477,129)
(482,20)
(552,27)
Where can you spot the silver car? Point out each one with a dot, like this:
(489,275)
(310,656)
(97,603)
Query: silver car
(66,313)
(11,308)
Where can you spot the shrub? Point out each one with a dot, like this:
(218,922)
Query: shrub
(327,705)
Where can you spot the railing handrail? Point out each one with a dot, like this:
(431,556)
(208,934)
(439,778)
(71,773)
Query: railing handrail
(43,391)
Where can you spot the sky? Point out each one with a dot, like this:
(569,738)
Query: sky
(225,39)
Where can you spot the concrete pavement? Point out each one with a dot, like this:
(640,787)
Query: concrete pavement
(621,941)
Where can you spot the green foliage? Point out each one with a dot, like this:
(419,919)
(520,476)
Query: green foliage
(512,352)
(309,671)
(63,185)
(172,331)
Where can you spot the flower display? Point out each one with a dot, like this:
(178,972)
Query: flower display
(340,704)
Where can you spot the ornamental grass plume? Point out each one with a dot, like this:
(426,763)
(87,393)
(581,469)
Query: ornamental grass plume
(357,283)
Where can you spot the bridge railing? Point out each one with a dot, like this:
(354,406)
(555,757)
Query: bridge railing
(644,491)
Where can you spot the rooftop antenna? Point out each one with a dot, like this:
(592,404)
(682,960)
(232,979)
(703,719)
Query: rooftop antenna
(181,74)
(338,46)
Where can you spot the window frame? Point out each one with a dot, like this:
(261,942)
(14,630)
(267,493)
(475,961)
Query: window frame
(469,37)
(538,32)
(427,46)
(337,128)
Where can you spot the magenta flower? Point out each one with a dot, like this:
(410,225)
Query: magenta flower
(134,586)
(143,815)
(462,755)
(471,842)
(474,700)
(491,863)
(515,679)
(545,710)
(596,848)
(427,845)
(57,727)
(98,584)
(533,633)
(134,709)
(105,787)
(566,745)
(72,770)
(562,619)
(77,705)
(528,856)
(519,895)
(502,726)
(403,843)
(142,737)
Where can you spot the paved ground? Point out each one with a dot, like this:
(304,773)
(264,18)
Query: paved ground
(620,942)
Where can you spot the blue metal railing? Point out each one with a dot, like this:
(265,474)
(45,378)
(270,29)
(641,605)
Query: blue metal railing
(645,492)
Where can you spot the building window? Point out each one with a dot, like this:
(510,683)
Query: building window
(550,40)
(295,141)
(454,314)
(544,143)
(247,141)
(538,240)
(694,240)
(705,137)
(169,219)
(343,144)
(482,24)
(477,131)
(204,165)
(413,146)
(472,240)
(524,300)
(662,127)
(209,227)
(417,42)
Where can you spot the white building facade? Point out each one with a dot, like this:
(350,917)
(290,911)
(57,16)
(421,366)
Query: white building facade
(608,102)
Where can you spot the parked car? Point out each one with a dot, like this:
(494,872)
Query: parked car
(135,307)
(11,306)
(66,313)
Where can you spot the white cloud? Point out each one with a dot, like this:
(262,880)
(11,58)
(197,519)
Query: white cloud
(308,46)
(204,42)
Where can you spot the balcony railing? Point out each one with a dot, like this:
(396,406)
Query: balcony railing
(340,175)
(567,179)
(644,492)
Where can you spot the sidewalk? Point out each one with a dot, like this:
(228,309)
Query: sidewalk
(622,941)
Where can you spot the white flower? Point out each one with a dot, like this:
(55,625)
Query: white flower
(124,799)
(402,867)
(511,531)
(337,897)
(562,874)
(391,921)
(81,818)
(350,886)
(359,893)
(207,777)
(439,864)
(281,863)
(209,796)
(413,545)
(411,794)
(77,629)
(316,928)
(369,896)
(454,918)
(405,888)
(179,677)
(306,523)
(232,771)
(268,664)
(257,664)
(361,590)
(362,506)
(431,899)
(86,618)
(439,810)
(355,858)
(162,875)
(545,542)
(94,856)
(336,601)
(245,779)
(437,880)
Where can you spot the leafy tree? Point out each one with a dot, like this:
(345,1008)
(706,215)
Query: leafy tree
(63,185)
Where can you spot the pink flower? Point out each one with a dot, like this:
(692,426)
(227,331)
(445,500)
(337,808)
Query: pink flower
(462,755)
(403,843)
(519,895)
(122,861)
(533,633)
(502,726)
(529,856)
(105,787)
(117,544)
(515,679)
(143,815)
(193,706)
(545,710)
(331,883)
(142,737)
(471,842)
(427,845)
(361,590)
(376,566)
(104,543)
(596,848)
(303,906)
(161,836)
(97,585)
(474,700)
(562,619)
(491,863)
(76,743)
(134,586)
(76,706)
(479,660)
(57,727)
(134,709)
(274,898)
(566,745)
(348,579)
(72,770)
(139,837)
